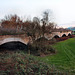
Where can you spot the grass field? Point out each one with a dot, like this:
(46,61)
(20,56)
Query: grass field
(65,55)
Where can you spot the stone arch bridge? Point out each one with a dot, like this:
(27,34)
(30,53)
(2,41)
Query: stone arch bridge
(10,38)
(58,33)
(25,39)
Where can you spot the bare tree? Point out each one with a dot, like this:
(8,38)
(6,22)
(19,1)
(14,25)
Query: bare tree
(47,25)
(32,28)
(36,21)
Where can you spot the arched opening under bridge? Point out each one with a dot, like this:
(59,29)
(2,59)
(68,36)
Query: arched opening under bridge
(64,35)
(13,45)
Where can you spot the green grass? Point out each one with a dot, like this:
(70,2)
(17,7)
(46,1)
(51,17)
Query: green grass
(64,57)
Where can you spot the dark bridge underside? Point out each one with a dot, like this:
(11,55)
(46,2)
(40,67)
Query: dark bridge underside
(14,45)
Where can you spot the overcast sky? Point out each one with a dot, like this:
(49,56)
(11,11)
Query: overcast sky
(63,10)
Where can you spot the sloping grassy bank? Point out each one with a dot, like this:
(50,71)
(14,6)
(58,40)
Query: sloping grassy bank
(65,55)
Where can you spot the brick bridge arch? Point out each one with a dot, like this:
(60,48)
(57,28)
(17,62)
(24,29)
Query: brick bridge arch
(26,39)
(59,34)
(11,38)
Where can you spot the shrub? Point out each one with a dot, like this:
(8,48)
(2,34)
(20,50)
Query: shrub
(62,38)
(22,64)
(38,48)
(19,63)
(72,36)
(52,41)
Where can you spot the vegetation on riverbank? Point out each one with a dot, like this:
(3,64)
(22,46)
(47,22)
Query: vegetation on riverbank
(60,62)
(19,63)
